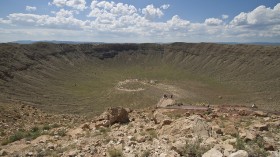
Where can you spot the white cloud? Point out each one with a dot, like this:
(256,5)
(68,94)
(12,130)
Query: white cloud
(2,21)
(213,22)
(165,6)
(106,9)
(123,22)
(259,16)
(30,8)
(63,20)
(224,16)
(151,12)
(76,4)
(64,13)
(176,22)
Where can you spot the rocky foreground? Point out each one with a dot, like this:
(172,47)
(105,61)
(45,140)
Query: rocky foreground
(219,132)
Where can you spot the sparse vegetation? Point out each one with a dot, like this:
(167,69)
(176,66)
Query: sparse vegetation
(194,149)
(146,153)
(46,127)
(113,152)
(17,136)
(255,148)
(33,133)
(152,133)
(240,144)
(91,82)
(73,79)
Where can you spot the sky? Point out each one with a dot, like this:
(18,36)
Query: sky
(140,21)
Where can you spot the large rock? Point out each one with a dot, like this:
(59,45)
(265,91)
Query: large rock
(193,125)
(273,153)
(230,130)
(260,114)
(261,127)
(178,147)
(247,135)
(159,118)
(240,153)
(213,153)
(200,127)
(112,116)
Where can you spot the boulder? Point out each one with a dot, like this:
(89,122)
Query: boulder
(250,136)
(178,147)
(29,154)
(200,127)
(210,141)
(193,126)
(273,153)
(112,116)
(240,153)
(217,130)
(275,124)
(3,153)
(260,114)
(269,144)
(86,126)
(166,122)
(230,130)
(159,118)
(213,153)
(261,127)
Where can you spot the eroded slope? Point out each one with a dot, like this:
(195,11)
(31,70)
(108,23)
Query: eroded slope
(82,78)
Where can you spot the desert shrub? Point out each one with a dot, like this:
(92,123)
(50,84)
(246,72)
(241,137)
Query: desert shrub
(61,132)
(15,137)
(152,133)
(104,130)
(240,144)
(255,148)
(115,152)
(46,127)
(55,125)
(32,135)
(255,151)
(34,129)
(146,153)
(194,149)
(2,133)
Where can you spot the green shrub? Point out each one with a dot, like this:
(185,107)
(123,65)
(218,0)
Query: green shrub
(240,144)
(34,129)
(33,133)
(17,136)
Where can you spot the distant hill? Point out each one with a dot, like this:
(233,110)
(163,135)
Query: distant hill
(88,42)
(250,43)
(54,41)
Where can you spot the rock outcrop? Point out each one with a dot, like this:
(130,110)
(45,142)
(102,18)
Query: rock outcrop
(146,133)
(112,116)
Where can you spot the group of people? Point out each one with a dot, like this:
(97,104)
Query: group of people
(166,96)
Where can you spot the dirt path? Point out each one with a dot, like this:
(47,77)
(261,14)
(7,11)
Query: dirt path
(171,89)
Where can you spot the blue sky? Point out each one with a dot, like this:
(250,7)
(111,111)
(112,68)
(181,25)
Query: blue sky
(141,20)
